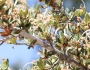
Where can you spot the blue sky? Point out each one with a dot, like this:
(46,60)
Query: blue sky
(20,54)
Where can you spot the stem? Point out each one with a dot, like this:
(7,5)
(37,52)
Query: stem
(58,53)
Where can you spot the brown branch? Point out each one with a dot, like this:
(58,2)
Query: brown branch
(39,41)
(70,61)
(5,39)
(59,54)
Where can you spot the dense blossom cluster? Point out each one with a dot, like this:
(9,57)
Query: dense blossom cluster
(54,25)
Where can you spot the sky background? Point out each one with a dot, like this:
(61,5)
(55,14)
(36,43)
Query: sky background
(20,55)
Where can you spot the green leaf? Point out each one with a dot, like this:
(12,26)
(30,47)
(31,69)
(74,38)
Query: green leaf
(15,2)
(32,44)
(2,2)
(51,53)
(62,37)
(28,68)
(78,36)
(77,12)
(5,64)
(13,40)
(58,40)
(10,10)
(64,18)
(49,62)
(59,2)
(41,64)
(88,61)
(19,2)
(67,11)
(40,29)
(87,18)
(71,15)
(1,23)
(26,22)
(26,11)
(22,13)
(37,8)
(6,21)
(58,67)
(47,2)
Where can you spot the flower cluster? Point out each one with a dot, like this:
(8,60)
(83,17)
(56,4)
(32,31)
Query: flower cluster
(54,25)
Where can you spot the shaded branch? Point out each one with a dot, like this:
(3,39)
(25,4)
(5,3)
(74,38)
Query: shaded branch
(1,43)
(22,44)
(70,61)
(58,53)
(5,39)
(39,41)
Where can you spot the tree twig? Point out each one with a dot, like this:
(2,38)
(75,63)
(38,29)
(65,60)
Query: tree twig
(5,39)
(1,43)
(58,53)
(22,44)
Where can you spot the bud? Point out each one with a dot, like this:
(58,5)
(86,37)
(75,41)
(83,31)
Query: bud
(86,27)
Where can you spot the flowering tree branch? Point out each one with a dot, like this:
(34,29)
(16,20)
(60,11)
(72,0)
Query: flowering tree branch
(56,29)
(50,48)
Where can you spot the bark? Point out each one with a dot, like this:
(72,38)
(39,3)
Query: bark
(59,54)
